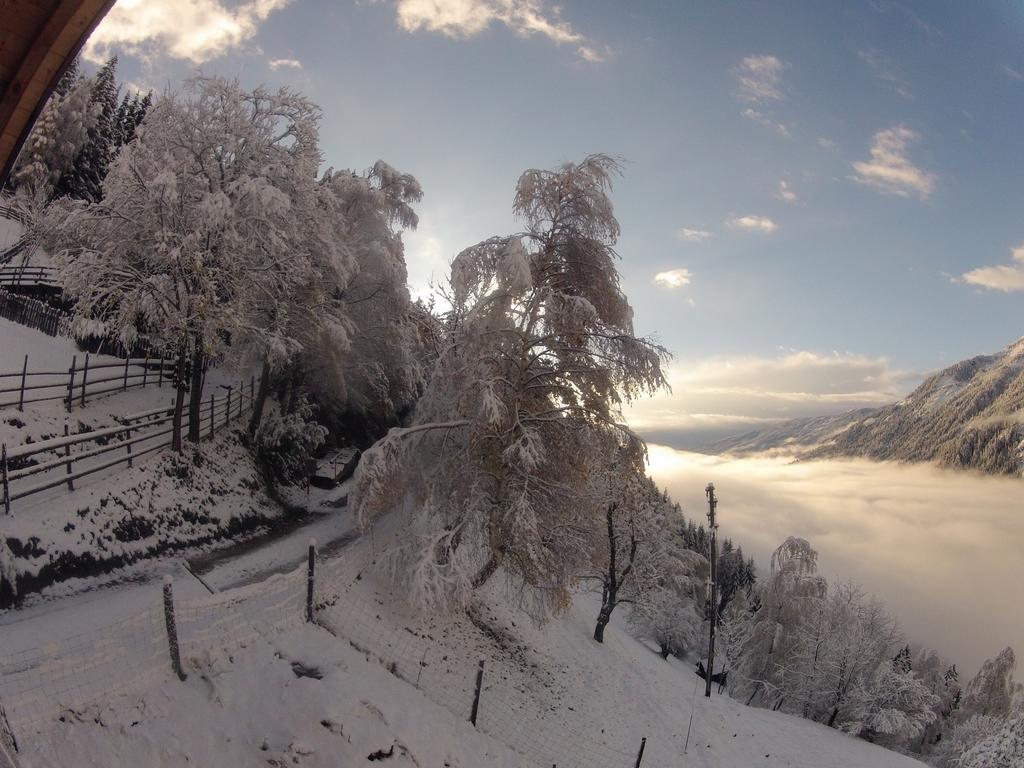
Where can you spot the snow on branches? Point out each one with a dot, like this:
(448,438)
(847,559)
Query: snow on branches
(537,356)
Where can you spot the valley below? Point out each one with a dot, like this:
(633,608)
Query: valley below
(939,545)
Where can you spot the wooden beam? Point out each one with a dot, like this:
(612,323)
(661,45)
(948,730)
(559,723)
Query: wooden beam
(56,37)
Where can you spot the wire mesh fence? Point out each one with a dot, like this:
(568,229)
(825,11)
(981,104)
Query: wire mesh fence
(65,677)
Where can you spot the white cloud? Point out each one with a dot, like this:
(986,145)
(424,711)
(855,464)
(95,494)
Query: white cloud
(753,224)
(883,70)
(692,235)
(784,192)
(674,278)
(890,171)
(194,30)
(276,64)
(828,144)
(725,391)
(1013,74)
(466,18)
(762,119)
(760,78)
(1006,278)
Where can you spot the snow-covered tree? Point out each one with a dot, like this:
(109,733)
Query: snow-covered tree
(991,691)
(1003,748)
(56,139)
(366,386)
(84,178)
(891,702)
(539,355)
(209,213)
(762,641)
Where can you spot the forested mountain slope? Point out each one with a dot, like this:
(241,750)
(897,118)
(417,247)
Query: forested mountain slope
(970,415)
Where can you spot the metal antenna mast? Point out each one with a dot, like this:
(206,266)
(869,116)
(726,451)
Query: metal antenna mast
(713,585)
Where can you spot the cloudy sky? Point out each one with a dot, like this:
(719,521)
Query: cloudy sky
(821,200)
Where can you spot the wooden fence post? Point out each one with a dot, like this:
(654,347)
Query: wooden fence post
(128,445)
(124,387)
(71,381)
(211,416)
(24,373)
(227,411)
(160,376)
(310,581)
(7,487)
(67,454)
(476,693)
(145,371)
(640,756)
(172,628)
(85,376)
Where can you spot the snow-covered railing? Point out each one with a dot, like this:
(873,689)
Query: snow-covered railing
(53,462)
(27,275)
(80,382)
(7,211)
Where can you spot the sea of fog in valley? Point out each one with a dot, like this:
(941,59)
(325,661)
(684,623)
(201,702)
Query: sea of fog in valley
(943,549)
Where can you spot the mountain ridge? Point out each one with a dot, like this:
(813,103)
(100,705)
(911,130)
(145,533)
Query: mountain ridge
(969,415)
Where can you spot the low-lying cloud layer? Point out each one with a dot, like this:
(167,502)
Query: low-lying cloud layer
(937,546)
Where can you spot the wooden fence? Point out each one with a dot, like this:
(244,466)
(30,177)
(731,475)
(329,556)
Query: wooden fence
(138,435)
(8,212)
(27,275)
(80,382)
(33,313)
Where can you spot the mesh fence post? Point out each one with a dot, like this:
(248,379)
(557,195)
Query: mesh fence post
(476,693)
(172,629)
(7,485)
(640,754)
(21,396)
(310,582)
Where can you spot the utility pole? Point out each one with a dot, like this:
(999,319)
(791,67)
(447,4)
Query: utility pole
(712,584)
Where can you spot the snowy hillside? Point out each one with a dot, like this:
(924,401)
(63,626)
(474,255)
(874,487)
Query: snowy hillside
(114,516)
(315,696)
(970,415)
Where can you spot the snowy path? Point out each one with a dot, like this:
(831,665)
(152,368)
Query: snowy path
(93,603)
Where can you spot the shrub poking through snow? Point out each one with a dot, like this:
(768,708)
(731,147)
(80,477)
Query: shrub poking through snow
(286,443)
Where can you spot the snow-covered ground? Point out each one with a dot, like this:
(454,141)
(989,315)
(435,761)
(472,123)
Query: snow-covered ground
(383,679)
(120,514)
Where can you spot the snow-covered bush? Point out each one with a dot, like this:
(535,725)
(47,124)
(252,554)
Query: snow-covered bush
(892,702)
(286,443)
(1001,748)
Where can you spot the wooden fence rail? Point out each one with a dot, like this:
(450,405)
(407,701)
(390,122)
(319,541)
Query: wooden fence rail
(57,458)
(80,382)
(28,275)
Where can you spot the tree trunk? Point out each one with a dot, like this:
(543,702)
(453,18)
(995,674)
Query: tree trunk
(485,573)
(833,716)
(179,403)
(195,400)
(261,400)
(664,651)
(602,620)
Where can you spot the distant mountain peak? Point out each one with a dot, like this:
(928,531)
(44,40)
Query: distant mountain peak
(969,415)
